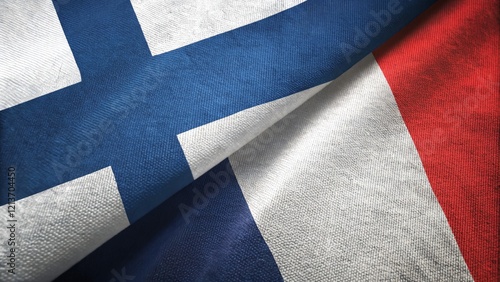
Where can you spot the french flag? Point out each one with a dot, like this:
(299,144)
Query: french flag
(297,140)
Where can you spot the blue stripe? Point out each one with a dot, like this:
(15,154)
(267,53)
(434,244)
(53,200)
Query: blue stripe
(130,106)
(221,242)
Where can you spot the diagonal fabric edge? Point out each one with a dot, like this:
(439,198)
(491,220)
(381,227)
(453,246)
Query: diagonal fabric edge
(54,229)
(207,145)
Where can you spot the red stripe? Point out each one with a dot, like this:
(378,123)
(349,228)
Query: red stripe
(444,73)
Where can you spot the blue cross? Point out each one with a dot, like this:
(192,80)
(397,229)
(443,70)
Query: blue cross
(129,106)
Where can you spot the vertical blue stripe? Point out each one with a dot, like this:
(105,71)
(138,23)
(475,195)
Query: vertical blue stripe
(221,242)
